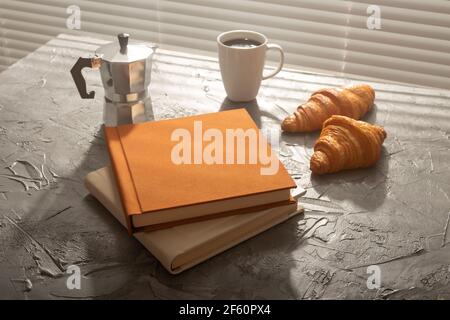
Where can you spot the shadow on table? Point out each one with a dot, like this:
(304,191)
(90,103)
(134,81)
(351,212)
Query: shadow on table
(258,268)
(371,116)
(358,190)
(66,227)
(273,264)
(252,108)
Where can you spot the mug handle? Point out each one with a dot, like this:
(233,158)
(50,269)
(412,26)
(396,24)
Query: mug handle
(280,65)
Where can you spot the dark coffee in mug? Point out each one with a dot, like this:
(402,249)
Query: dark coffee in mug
(242,43)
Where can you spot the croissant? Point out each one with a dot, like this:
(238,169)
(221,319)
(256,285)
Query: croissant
(345,143)
(353,102)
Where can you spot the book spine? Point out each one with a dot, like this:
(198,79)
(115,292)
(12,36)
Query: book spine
(123,176)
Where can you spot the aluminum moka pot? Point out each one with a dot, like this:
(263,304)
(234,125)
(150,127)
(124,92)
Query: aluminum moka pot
(125,70)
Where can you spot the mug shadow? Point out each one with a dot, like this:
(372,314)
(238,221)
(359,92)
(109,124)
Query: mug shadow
(252,108)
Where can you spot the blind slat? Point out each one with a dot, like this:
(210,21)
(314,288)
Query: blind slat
(412,46)
(395,75)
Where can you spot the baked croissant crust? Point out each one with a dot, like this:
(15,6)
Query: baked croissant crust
(353,102)
(345,143)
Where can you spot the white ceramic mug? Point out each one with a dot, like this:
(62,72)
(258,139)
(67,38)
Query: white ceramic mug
(242,67)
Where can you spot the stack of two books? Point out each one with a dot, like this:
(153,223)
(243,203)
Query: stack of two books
(193,187)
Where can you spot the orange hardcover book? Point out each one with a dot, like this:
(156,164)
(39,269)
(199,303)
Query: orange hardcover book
(218,164)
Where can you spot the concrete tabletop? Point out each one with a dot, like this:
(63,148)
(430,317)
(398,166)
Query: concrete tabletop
(390,221)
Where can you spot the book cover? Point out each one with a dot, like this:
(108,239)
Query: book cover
(219,161)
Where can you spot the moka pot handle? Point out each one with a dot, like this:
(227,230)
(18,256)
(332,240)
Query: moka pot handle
(78,77)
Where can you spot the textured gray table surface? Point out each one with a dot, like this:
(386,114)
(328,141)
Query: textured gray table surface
(394,215)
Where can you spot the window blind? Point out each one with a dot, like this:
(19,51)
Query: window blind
(410,42)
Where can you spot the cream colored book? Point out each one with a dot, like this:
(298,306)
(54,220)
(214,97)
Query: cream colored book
(181,247)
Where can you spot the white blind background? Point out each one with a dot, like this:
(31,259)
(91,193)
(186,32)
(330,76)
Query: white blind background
(412,46)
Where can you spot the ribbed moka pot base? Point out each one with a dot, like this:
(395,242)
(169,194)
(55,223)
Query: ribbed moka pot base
(118,113)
